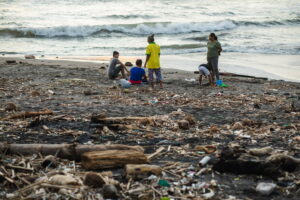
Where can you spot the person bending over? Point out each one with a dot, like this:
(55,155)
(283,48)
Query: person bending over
(153,61)
(137,74)
(116,66)
(203,70)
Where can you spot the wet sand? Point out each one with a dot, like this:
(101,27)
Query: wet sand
(76,90)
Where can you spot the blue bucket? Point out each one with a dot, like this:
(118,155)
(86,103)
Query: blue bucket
(219,82)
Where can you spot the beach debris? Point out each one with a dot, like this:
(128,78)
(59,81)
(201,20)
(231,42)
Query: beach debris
(51,92)
(112,159)
(261,151)
(29,57)
(156,153)
(11,62)
(35,93)
(128,64)
(66,151)
(236,161)
(237,126)
(110,192)
(183,124)
(87,92)
(49,161)
(190,80)
(204,161)
(67,179)
(124,83)
(214,129)
(179,164)
(295,106)
(142,171)
(94,180)
(31,114)
(163,183)
(296,139)
(10,107)
(265,188)
(206,148)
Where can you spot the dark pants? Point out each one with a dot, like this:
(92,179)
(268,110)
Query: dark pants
(214,64)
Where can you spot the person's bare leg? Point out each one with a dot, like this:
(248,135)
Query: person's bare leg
(161,84)
(200,80)
(210,79)
(123,72)
(152,85)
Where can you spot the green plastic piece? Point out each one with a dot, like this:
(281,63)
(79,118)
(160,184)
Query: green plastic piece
(164,198)
(224,85)
(164,183)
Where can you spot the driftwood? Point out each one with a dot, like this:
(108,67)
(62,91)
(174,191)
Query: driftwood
(114,126)
(31,114)
(11,62)
(94,180)
(240,75)
(118,120)
(67,151)
(142,171)
(237,75)
(112,159)
(157,152)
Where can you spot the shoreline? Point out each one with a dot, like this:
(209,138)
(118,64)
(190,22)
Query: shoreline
(271,66)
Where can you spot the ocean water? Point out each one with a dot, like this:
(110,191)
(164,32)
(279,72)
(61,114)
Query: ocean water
(97,27)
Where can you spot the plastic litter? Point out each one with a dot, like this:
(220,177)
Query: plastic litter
(204,161)
(219,82)
(164,183)
(265,188)
(124,83)
(190,80)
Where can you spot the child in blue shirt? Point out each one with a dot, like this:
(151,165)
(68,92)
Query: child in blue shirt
(137,74)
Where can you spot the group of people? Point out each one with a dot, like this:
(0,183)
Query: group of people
(137,74)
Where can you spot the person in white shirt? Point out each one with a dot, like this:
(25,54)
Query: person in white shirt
(203,70)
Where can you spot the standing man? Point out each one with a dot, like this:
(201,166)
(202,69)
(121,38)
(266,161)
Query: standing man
(153,61)
(116,66)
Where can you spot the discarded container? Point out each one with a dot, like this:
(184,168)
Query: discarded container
(124,83)
(154,101)
(204,161)
(164,183)
(219,82)
(190,80)
(265,188)
(224,85)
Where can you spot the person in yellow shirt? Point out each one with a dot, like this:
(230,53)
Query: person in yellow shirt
(153,61)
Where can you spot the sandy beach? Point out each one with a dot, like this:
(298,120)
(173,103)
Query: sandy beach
(268,112)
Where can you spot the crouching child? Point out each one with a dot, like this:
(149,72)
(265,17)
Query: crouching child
(204,72)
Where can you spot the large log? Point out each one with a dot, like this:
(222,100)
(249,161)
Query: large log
(112,159)
(67,151)
(141,171)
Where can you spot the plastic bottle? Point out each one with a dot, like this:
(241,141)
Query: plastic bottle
(204,161)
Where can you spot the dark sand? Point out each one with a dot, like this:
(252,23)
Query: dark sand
(61,86)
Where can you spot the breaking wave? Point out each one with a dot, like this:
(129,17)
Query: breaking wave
(136,29)
(131,29)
